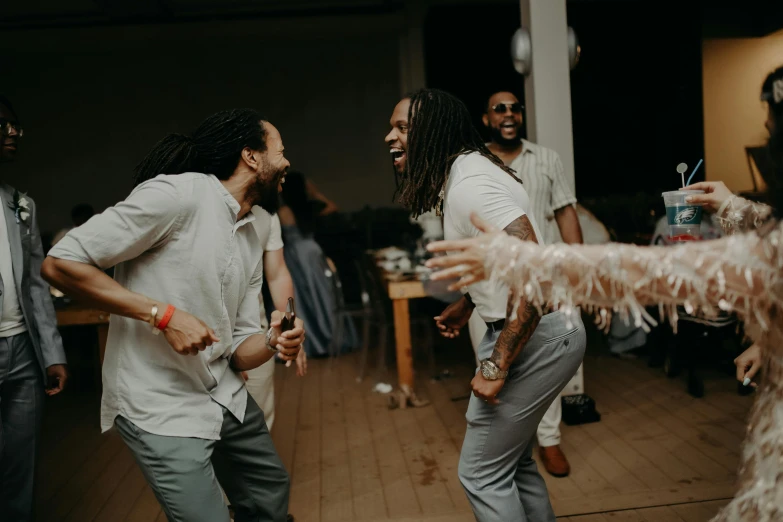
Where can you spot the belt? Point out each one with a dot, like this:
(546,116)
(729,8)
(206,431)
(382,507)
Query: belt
(496,326)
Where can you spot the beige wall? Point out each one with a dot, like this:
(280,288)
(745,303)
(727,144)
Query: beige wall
(94,100)
(733,71)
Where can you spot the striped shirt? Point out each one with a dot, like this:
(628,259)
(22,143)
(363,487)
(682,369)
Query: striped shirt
(543,177)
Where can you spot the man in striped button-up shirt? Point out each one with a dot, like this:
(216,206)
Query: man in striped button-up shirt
(553,207)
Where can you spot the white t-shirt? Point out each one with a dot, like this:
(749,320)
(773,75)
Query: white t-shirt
(12,320)
(268,229)
(476,184)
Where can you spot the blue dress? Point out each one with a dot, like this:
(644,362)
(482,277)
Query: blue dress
(314,289)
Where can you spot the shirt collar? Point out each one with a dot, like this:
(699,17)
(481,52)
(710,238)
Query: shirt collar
(232,204)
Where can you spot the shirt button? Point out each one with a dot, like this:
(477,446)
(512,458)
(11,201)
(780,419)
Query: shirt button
(567,342)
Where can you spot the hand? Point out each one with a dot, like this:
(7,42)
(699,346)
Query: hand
(467,258)
(748,365)
(486,390)
(454,318)
(715,193)
(57,376)
(287,343)
(301,363)
(188,334)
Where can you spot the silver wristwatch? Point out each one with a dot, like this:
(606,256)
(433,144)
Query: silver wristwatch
(269,334)
(491,372)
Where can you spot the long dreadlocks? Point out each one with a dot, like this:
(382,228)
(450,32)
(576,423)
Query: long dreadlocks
(440,130)
(213,148)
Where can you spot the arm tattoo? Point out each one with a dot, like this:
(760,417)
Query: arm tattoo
(517,330)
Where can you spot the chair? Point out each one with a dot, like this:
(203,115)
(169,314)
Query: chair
(368,311)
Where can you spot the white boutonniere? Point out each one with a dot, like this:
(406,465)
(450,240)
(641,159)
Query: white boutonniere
(21,207)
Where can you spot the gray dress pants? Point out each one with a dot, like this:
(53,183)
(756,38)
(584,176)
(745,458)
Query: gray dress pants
(184,472)
(496,466)
(21,410)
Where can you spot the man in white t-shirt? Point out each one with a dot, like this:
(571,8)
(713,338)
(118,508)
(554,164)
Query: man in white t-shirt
(441,162)
(260,381)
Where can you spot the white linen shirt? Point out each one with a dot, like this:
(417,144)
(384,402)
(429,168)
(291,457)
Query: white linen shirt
(175,239)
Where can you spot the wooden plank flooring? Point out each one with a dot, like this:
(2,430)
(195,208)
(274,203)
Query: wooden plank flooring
(657,455)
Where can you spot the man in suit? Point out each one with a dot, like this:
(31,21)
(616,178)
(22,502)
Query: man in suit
(32,360)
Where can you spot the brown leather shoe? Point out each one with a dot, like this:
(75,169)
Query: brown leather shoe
(554,461)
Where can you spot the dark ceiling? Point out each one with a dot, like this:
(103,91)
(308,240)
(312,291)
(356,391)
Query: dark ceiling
(720,18)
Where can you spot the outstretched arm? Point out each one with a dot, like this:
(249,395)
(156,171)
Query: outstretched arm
(736,214)
(738,273)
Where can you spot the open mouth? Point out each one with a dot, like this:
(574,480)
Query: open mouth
(398,155)
(508,126)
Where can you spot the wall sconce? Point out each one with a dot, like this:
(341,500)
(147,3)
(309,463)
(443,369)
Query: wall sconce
(522,50)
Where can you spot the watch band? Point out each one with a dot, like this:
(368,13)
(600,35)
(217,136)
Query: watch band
(269,334)
(498,373)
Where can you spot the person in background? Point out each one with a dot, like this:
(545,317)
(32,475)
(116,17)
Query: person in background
(32,359)
(260,381)
(79,216)
(310,270)
(553,206)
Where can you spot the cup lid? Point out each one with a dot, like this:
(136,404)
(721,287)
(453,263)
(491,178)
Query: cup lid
(686,192)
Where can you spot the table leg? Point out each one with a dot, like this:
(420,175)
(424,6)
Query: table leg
(402,335)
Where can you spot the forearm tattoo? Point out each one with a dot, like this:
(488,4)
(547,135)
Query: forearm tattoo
(517,330)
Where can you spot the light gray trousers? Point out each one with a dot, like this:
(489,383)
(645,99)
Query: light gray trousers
(184,472)
(496,466)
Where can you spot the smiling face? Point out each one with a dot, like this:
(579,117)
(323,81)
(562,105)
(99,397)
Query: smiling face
(397,139)
(504,118)
(271,168)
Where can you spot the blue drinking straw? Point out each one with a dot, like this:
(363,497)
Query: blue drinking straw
(694,172)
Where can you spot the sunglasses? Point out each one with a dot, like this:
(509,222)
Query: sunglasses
(7,125)
(501,108)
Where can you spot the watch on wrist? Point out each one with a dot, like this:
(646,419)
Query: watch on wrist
(269,334)
(491,372)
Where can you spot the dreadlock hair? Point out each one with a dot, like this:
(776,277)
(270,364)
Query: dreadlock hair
(772,93)
(440,130)
(294,195)
(213,148)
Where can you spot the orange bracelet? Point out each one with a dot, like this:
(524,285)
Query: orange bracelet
(166,317)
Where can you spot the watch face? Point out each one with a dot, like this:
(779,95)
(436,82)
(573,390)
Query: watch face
(487,371)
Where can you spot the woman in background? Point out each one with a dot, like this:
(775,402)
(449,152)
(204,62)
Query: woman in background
(311,271)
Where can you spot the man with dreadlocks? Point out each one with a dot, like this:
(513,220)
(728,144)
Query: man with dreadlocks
(186,319)
(441,162)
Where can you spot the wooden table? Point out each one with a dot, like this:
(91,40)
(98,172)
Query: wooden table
(77,315)
(400,292)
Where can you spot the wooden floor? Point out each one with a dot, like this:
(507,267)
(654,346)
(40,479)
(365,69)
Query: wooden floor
(657,455)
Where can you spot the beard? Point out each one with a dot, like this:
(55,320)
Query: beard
(264,191)
(497,136)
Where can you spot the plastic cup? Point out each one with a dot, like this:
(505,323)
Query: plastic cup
(684,218)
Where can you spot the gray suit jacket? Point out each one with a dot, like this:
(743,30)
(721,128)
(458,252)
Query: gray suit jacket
(35,300)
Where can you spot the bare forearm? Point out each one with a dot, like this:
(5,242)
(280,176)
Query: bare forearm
(93,287)
(568,223)
(252,353)
(281,288)
(520,326)
(516,332)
